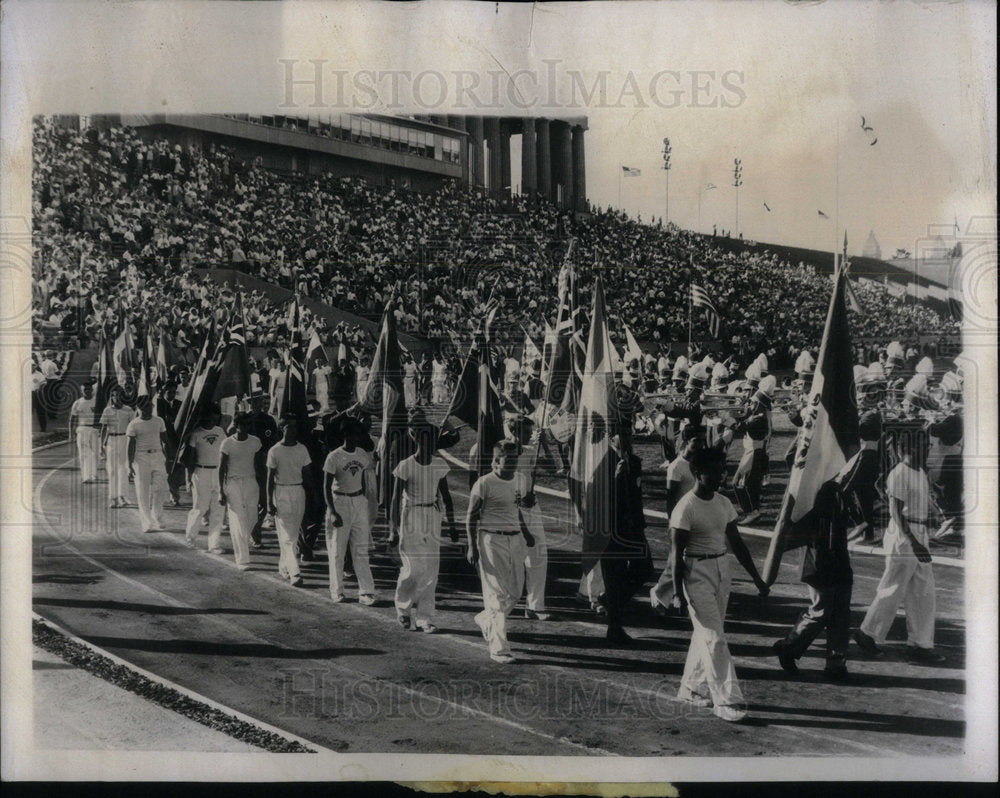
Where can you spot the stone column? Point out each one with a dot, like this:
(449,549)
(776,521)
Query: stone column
(544,159)
(474,125)
(529,156)
(492,127)
(505,186)
(579,170)
(562,155)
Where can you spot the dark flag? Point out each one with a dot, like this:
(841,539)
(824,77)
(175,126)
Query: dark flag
(566,359)
(384,395)
(316,354)
(148,382)
(189,403)
(106,376)
(829,433)
(234,368)
(293,398)
(591,476)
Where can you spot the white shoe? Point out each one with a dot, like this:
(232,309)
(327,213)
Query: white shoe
(215,550)
(368,599)
(337,599)
(729,713)
(427,628)
(483,625)
(654,602)
(243,566)
(694,699)
(503,659)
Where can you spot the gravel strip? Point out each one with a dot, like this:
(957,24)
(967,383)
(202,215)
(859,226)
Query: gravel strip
(84,658)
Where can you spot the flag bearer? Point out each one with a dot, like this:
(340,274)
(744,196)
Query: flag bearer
(349,489)
(239,490)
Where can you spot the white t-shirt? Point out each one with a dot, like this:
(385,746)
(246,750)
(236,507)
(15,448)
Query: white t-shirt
(241,456)
(679,470)
(206,444)
(146,432)
(83,409)
(706,521)
(421,480)
(910,486)
(117,419)
(288,461)
(348,469)
(500,499)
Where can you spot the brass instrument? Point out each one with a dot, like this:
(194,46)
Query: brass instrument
(713,401)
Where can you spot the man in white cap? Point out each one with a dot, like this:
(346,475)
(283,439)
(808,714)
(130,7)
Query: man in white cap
(755,427)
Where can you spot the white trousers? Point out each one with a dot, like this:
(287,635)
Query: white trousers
(88,441)
(150,487)
(290,503)
(706,587)
(420,552)
(905,581)
(355,530)
(501,570)
(116,463)
(241,500)
(592,583)
(536,561)
(205,496)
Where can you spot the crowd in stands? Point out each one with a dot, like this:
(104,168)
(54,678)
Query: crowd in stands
(119,216)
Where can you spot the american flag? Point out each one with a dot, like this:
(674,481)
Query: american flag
(699,299)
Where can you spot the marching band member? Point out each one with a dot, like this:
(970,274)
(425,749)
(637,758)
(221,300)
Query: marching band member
(146,438)
(420,497)
(81,426)
(239,491)
(755,426)
(797,404)
(114,422)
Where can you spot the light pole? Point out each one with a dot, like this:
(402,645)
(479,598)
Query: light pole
(666,169)
(737,182)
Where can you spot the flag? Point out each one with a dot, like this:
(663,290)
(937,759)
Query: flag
(566,366)
(384,395)
(165,357)
(628,171)
(710,186)
(148,382)
(106,379)
(852,298)
(193,402)
(829,433)
(234,366)
(822,215)
(315,353)
(293,398)
(632,350)
(591,476)
(530,353)
(123,350)
(699,299)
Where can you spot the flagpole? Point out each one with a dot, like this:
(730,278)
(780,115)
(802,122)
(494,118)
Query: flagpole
(619,185)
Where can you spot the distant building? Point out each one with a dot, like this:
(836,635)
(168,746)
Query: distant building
(871,248)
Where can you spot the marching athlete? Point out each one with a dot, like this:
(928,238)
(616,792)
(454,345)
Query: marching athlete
(81,427)
(421,488)
(238,487)
(146,438)
(114,421)
(701,524)
(349,489)
(287,479)
(203,448)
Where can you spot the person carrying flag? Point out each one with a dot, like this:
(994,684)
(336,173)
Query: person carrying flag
(349,490)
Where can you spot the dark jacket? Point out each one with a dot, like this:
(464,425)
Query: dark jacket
(826,561)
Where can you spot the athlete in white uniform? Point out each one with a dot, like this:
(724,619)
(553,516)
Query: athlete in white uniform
(146,438)
(536,561)
(498,539)
(349,488)
(287,477)
(419,495)
(204,444)
(238,487)
(114,421)
(81,427)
